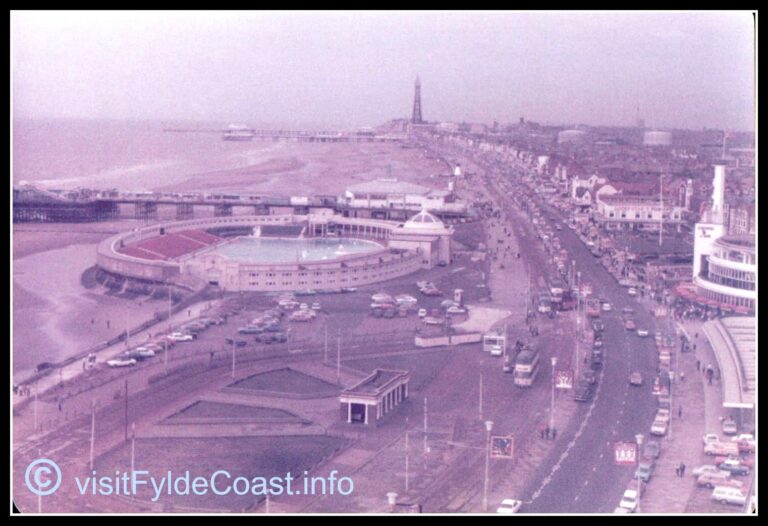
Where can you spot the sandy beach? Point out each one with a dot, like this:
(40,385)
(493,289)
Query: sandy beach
(53,312)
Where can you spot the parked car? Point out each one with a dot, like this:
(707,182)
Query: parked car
(422,313)
(632,291)
(606,307)
(509,506)
(721,478)
(644,470)
(636,379)
(721,449)
(704,468)
(651,449)
(121,362)
(180,337)
(733,466)
(597,344)
(589,377)
(663,414)
(456,310)
(659,427)
(711,438)
(642,332)
(630,325)
(250,329)
(237,342)
(431,320)
(728,495)
(582,392)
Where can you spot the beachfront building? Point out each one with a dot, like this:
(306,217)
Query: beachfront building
(393,199)
(375,396)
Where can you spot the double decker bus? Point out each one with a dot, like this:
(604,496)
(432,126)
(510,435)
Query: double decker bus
(526,367)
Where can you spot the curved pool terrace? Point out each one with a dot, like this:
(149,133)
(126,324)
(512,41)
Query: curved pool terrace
(280,250)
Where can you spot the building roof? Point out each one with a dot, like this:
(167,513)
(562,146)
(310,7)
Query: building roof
(387,186)
(424,222)
(734,343)
(377,382)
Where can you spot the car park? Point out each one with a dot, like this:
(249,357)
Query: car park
(636,379)
(509,506)
(121,362)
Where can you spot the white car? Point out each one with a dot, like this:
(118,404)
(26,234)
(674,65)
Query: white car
(121,362)
(659,427)
(429,320)
(607,307)
(662,414)
(497,350)
(705,468)
(144,352)
(642,332)
(315,306)
(181,337)
(632,291)
(729,495)
(422,313)
(456,310)
(509,506)
(711,438)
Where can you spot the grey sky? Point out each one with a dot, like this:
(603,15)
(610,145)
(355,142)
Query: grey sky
(689,69)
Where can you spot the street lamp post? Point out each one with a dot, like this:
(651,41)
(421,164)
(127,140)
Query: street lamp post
(639,439)
(488,428)
(552,404)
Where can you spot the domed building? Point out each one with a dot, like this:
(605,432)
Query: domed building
(428,235)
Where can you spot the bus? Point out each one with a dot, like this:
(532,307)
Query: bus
(526,367)
(593,307)
(495,343)
(544,304)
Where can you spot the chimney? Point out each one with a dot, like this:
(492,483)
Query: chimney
(718,193)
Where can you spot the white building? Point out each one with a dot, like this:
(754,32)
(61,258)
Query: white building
(724,266)
(391,194)
(617,211)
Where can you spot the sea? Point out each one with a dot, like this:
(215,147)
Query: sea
(130,155)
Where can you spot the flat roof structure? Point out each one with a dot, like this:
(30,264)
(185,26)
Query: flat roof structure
(733,340)
(376,395)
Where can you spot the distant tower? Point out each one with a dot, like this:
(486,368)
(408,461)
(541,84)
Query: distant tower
(416,119)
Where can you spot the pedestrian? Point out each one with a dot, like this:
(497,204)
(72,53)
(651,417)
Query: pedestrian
(682,470)
(83,365)
(680,412)
(541,431)
(698,362)
(554,433)
(547,431)
(682,376)
(677,471)
(107,324)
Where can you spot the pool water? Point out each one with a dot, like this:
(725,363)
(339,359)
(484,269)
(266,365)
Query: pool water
(275,250)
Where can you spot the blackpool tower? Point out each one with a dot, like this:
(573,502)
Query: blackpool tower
(416,118)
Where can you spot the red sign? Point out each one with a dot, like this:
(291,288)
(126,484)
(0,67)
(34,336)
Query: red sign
(564,379)
(625,453)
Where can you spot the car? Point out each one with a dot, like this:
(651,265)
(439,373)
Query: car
(704,468)
(746,446)
(121,362)
(606,307)
(636,379)
(250,329)
(659,427)
(642,332)
(589,377)
(734,467)
(652,449)
(644,470)
(730,427)
(582,392)
(598,326)
(746,437)
(422,313)
(630,325)
(431,320)
(619,509)
(432,292)
(143,352)
(597,361)
(180,337)
(711,438)
(497,350)
(728,495)
(663,414)
(509,506)
(632,291)
(720,478)
(629,500)
(348,289)
(456,310)
(721,449)
(236,341)
(597,344)
(273,337)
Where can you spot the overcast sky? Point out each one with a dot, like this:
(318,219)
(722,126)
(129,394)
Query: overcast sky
(686,70)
